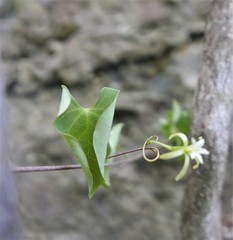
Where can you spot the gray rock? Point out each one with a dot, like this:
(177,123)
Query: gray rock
(77,39)
(186,65)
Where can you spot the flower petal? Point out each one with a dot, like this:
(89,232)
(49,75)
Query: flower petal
(193,140)
(198,158)
(192,155)
(204,151)
(200,143)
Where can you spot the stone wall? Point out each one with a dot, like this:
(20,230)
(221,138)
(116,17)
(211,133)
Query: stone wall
(50,42)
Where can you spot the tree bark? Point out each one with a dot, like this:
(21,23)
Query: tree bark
(211,119)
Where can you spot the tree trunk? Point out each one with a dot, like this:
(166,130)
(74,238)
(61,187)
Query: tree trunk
(211,119)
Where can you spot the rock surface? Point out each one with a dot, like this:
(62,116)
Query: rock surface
(151,51)
(72,42)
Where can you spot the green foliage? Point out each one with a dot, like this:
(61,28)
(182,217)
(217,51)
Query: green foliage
(112,148)
(87,133)
(176,120)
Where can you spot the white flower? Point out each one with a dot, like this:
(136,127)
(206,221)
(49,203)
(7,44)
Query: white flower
(194,151)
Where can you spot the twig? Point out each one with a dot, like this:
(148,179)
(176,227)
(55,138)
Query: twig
(29,169)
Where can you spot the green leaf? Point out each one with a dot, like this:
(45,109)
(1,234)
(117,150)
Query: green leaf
(176,120)
(176,111)
(86,132)
(184,123)
(112,147)
(114,138)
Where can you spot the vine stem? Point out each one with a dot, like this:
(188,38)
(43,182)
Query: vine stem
(30,169)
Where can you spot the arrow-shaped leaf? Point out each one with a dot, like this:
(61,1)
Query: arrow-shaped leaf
(86,131)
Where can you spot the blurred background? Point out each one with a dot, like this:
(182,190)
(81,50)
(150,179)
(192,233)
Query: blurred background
(148,49)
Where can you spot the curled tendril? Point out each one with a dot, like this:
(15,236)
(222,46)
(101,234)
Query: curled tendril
(153,149)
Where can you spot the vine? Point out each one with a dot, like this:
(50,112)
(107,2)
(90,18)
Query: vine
(89,134)
(31,169)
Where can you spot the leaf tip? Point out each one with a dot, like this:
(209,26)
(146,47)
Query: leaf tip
(65,100)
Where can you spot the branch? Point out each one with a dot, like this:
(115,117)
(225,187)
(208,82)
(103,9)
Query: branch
(28,169)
